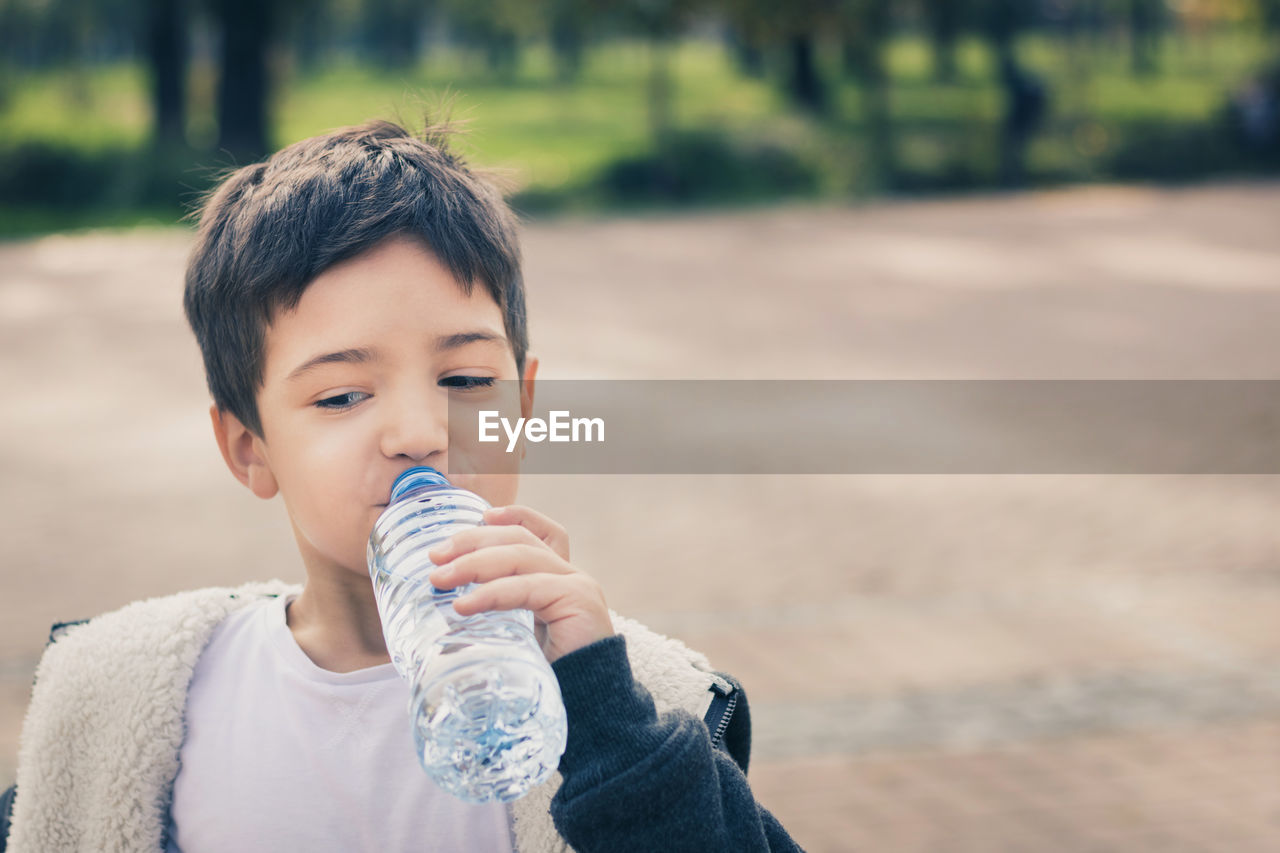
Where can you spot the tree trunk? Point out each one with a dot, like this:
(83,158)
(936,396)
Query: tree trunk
(1271,25)
(879,122)
(805,83)
(944,32)
(391,31)
(747,53)
(312,42)
(568,43)
(167,58)
(659,90)
(502,53)
(244,84)
(1144,36)
(873,80)
(864,61)
(1025,95)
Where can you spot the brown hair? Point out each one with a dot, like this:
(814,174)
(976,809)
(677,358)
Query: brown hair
(270,228)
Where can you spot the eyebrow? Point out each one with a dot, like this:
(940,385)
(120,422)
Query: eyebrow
(364,355)
(357,355)
(461,339)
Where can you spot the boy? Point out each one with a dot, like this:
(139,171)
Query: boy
(343,293)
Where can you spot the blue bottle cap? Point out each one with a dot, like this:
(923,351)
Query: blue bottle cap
(418,475)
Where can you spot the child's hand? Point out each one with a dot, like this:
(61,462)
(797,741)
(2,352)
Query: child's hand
(520,558)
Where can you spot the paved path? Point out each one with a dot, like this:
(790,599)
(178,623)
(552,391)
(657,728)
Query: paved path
(935,663)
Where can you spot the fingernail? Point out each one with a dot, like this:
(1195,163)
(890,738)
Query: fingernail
(442,550)
(440,575)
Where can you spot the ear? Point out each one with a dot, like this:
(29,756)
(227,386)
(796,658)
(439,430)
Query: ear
(526,386)
(244,453)
(526,394)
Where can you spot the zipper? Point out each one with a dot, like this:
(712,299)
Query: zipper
(721,710)
(60,628)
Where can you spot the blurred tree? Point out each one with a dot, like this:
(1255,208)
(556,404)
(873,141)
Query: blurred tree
(392,31)
(1091,18)
(1145,25)
(243,80)
(166,51)
(794,30)
(944,19)
(20,23)
(249,29)
(658,22)
(1025,94)
(313,37)
(866,28)
(805,82)
(1269,12)
(791,32)
(496,28)
(800,24)
(568,22)
(1074,24)
(77,33)
(74,34)
(747,34)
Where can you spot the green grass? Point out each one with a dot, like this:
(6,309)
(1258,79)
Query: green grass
(549,135)
(30,221)
(90,109)
(554,139)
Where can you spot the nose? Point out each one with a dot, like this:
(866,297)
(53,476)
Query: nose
(416,427)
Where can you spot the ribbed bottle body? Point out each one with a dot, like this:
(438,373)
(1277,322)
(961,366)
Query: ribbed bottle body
(487,715)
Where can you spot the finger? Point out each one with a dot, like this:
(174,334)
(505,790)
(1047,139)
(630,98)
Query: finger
(546,529)
(571,607)
(500,561)
(548,599)
(481,537)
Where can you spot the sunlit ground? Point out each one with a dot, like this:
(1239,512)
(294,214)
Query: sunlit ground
(1042,663)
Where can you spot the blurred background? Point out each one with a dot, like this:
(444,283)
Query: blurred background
(115,111)
(838,189)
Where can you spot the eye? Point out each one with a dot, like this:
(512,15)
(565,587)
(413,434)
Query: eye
(341,401)
(465,382)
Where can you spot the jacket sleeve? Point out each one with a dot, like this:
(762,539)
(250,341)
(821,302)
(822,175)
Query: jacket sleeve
(6,812)
(634,780)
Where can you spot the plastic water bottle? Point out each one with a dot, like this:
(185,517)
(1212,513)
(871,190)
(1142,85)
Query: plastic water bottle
(488,719)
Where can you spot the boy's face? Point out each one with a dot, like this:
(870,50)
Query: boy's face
(357,385)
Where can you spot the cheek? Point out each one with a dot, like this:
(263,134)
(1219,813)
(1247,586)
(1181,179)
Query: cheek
(333,451)
(327,493)
(485,468)
(497,489)
(337,530)
(323,517)
(468,455)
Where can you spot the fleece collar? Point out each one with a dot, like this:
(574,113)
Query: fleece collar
(101,740)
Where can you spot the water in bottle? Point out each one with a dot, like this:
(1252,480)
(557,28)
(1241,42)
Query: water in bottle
(487,715)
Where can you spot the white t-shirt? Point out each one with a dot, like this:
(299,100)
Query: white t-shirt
(280,755)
